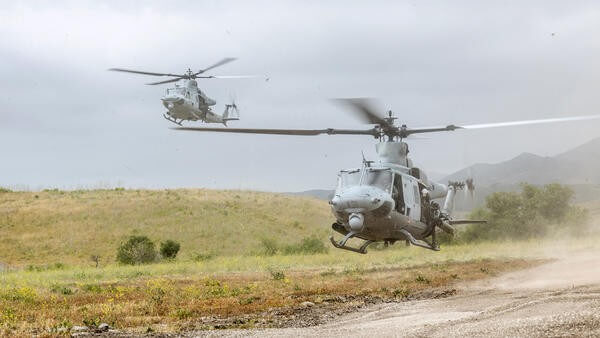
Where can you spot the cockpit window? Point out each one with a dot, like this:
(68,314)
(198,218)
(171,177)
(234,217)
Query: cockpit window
(381,179)
(348,178)
(176,91)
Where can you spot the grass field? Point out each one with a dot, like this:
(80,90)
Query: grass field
(52,284)
(68,227)
(244,291)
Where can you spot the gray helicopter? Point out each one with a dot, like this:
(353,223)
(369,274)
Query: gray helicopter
(186,102)
(390,200)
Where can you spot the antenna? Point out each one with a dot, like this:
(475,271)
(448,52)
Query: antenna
(366,163)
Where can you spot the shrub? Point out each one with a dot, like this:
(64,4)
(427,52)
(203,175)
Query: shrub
(201,256)
(136,250)
(95,259)
(277,275)
(308,246)
(269,246)
(63,290)
(532,212)
(422,279)
(169,249)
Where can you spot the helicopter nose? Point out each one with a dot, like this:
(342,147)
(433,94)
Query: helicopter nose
(361,198)
(172,99)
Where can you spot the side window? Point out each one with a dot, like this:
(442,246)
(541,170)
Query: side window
(398,194)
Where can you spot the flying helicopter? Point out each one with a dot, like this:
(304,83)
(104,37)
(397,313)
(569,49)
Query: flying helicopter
(186,102)
(390,199)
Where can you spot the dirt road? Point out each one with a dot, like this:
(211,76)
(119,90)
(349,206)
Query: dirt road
(561,298)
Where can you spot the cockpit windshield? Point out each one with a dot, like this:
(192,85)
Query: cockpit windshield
(349,178)
(176,91)
(381,179)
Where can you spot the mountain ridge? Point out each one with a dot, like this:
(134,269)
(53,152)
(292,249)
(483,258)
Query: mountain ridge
(580,165)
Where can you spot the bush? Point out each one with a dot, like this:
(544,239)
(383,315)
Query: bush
(277,274)
(136,250)
(201,256)
(308,246)
(533,212)
(269,246)
(169,249)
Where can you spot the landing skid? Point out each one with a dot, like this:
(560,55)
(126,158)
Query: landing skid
(168,118)
(342,244)
(423,244)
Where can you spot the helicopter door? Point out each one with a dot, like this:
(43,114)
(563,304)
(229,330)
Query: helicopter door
(398,195)
(412,198)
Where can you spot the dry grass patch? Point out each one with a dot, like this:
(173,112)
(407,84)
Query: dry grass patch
(227,299)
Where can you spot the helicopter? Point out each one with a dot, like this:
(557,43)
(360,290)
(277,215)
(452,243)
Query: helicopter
(186,102)
(390,199)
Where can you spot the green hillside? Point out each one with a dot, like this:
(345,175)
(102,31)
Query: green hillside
(70,226)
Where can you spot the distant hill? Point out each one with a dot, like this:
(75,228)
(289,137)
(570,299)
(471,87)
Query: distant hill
(580,165)
(578,168)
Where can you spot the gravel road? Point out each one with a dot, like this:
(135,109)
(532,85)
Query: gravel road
(561,298)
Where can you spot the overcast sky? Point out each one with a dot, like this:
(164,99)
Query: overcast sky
(67,122)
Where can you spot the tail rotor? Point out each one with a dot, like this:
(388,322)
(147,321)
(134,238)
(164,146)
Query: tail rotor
(231,110)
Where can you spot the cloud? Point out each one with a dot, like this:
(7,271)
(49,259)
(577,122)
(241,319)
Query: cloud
(66,121)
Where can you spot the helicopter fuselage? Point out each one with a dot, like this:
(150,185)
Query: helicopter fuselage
(378,210)
(188,102)
(386,201)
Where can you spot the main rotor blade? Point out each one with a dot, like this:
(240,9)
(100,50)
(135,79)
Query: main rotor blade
(406,132)
(142,72)
(230,77)
(526,122)
(165,81)
(220,63)
(498,124)
(296,132)
(362,107)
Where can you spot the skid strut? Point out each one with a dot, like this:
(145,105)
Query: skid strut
(168,118)
(410,239)
(342,244)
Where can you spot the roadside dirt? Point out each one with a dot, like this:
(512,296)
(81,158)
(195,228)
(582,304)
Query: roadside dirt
(561,298)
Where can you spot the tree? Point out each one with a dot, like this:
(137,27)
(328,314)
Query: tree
(136,250)
(533,212)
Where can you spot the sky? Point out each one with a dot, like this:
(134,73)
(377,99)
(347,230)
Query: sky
(66,122)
